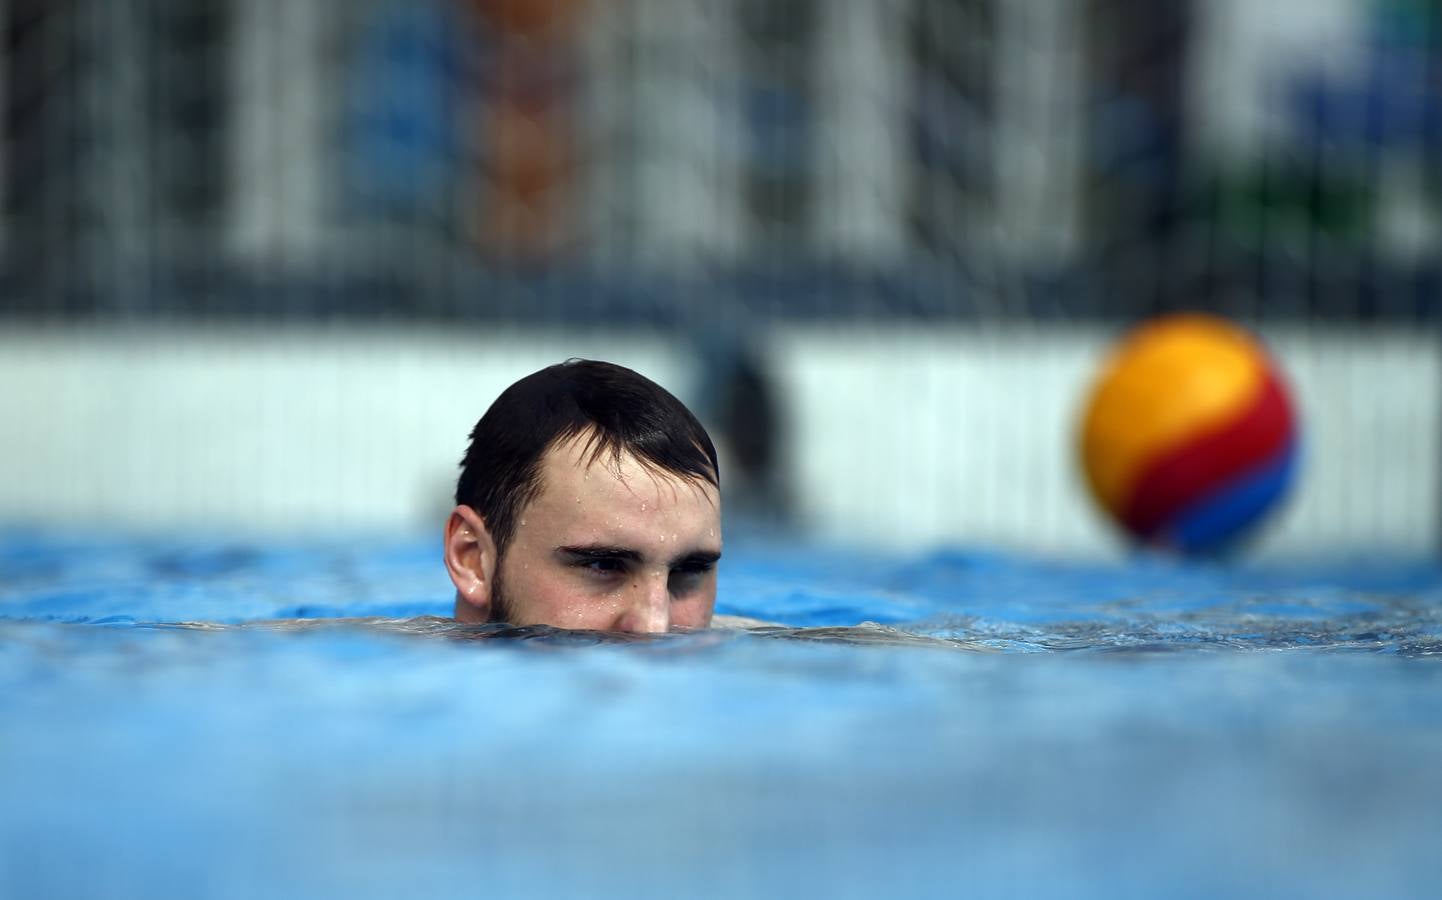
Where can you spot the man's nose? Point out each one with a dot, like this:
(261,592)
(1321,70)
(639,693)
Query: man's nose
(647,606)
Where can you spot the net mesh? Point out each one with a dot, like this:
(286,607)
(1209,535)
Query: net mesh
(1080,157)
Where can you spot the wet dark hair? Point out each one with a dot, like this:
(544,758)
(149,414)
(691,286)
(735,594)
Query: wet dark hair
(618,412)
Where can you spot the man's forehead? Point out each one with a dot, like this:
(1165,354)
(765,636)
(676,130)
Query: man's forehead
(582,460)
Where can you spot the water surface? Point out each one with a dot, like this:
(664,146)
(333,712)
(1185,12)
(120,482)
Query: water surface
(1005,726)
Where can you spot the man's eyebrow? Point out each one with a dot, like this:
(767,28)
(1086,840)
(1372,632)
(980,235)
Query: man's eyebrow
(600,551)
(697,558)
(604,551)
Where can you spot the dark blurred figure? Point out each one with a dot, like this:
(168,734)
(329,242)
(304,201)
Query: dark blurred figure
(1137,141)
(409,87)
(740,399)
(464,121)
(528,130)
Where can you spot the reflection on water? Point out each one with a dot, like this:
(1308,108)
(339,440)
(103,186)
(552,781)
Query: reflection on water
(449,629)
(1404,627)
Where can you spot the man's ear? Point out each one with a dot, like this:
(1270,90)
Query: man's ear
(471,560)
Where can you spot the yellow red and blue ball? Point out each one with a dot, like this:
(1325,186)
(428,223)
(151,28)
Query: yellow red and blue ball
(1189,438)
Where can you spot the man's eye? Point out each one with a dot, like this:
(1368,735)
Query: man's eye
(605,566)
(687,578)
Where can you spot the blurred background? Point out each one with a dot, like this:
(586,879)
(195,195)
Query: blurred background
(263,264)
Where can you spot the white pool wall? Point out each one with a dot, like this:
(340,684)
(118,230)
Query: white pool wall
(900,437)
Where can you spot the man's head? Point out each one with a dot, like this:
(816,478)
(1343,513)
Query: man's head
(589,498)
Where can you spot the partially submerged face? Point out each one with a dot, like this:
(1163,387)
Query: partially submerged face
(607,544)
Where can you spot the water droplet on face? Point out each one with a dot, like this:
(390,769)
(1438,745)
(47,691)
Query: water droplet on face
(643,507)
(663,538)
(523,521)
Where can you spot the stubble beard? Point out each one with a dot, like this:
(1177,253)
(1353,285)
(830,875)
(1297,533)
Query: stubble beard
(500,607)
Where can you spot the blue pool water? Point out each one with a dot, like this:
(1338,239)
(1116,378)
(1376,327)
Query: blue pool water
(1010,726)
